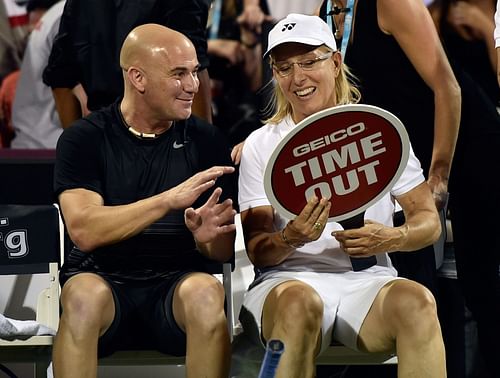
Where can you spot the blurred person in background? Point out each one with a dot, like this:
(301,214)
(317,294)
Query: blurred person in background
(34,117)
(86,49)
(466,29)
(24,20)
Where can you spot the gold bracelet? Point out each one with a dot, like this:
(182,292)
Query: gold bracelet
(288,242)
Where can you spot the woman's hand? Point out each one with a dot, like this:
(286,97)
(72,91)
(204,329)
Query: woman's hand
(309,224)
(370,239)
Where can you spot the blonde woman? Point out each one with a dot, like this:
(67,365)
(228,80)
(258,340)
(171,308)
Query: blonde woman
(306,292)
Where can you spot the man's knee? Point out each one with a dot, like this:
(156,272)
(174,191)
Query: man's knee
(85,301)
(201,298)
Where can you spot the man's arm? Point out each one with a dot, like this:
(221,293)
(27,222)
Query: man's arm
(202,104)
(411,25)
(61,73)
(91,224)
(67,105)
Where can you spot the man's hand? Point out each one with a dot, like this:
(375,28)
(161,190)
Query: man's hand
(252,18)
(211,219)
(464,14)
(184,194)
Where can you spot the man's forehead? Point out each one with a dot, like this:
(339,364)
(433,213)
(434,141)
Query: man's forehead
(186,65)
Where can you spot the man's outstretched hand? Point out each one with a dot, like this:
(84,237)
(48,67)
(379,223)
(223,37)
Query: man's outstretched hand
(184,194)
(211,219)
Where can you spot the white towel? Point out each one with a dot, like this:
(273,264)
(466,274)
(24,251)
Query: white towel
(50,371)
(11,329)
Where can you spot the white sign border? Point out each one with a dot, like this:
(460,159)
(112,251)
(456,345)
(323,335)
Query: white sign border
(393,120)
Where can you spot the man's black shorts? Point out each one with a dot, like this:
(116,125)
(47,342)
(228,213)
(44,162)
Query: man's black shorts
(144,317)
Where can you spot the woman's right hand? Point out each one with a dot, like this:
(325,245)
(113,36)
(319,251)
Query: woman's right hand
(310,223)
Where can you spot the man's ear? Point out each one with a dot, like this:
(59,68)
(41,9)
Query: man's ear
(137,78)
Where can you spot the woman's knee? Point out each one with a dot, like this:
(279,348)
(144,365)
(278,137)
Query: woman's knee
(299,307)
(411,307)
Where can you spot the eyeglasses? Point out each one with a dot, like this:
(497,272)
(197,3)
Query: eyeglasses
(285,69)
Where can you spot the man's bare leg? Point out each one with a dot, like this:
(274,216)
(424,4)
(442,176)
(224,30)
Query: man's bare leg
(198,308)
(88,311)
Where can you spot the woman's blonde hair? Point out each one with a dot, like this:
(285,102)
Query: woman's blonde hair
(346,92)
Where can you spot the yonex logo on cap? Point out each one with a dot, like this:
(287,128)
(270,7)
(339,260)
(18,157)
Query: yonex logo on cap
(301,28)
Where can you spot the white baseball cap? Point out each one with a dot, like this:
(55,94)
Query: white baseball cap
(301,28)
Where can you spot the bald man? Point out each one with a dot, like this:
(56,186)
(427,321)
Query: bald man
(136,183)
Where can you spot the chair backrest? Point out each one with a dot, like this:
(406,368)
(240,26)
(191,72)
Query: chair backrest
(27,176)
(29,238)
(31,242)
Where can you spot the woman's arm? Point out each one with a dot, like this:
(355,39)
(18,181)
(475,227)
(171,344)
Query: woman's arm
(421,228)
(411,25)
(267,246)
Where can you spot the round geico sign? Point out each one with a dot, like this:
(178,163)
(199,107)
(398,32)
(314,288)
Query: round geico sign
(352,154)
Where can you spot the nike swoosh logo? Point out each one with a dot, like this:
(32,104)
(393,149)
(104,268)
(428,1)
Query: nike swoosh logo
(177,145)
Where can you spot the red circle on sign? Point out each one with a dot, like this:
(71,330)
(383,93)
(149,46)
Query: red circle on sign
(352,154)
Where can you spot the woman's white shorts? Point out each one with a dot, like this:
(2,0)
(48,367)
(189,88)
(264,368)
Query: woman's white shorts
(347,298)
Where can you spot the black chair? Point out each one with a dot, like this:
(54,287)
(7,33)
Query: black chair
(31,241)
